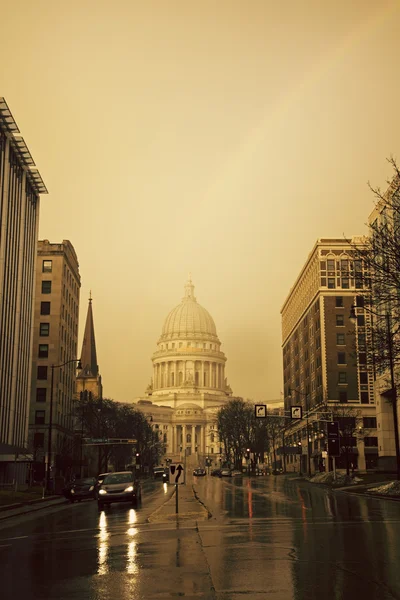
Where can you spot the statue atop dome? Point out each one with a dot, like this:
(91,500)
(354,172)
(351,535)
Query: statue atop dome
(189,290)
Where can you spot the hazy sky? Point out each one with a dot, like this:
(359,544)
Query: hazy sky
(217,137)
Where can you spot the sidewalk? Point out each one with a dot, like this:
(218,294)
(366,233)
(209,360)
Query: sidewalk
(13,510)
(189,507)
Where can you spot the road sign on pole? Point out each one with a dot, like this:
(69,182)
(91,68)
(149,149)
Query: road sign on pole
(261,411)
(176,473)
(333,438)
(296,412)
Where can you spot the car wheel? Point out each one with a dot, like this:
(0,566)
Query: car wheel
(134,501)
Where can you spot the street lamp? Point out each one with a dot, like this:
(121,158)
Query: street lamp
(308,435)
(353,318)
(79,366)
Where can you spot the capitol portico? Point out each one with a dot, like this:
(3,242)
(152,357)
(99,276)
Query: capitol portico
(188,384)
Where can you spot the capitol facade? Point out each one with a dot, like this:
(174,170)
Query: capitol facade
(189,384)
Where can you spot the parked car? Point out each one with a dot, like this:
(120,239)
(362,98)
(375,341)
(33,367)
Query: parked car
(80,489)
(225,473)
(122,486)
(199,472)
(236,473)
(216,473)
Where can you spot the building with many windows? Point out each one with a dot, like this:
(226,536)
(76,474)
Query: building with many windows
(55,338)
(385,215)
(20,190)
(325,360)
(188,384)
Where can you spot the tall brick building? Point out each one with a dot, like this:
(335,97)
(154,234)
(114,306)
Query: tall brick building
(325,360)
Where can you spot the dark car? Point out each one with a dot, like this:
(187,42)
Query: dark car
(122,486)
(216,472)
(80,489)
(161,473)
(199,472)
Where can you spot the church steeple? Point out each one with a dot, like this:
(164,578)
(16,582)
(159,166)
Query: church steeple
(88,355)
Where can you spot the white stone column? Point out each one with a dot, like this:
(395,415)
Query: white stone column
(176,373)
(193,439)
(216,375)
(202,374)
(184,371)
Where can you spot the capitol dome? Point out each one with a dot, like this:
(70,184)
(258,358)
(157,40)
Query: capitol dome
(189,320)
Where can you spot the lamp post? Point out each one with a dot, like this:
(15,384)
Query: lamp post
(353,318)
(79,366)
(305,394)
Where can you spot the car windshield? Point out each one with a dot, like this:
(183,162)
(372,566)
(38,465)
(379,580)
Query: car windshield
(88,480)
(118,478)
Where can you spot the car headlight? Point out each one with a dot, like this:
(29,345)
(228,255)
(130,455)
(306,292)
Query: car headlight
(129,488)
(102,492)
(72,491)
(91,488)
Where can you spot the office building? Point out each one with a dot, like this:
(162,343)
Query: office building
(325,360)
(20,188)
(55,339)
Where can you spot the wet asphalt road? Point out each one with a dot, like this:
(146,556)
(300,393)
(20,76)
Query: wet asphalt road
(270,537)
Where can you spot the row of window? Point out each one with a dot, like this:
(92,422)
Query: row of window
(189,345)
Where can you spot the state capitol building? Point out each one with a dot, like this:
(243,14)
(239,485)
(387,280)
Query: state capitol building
(188,384)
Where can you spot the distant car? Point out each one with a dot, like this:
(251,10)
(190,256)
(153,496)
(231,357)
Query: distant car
(80,489)
(161,473)
(225,473)
(122,486)
(199,472)
(216,473)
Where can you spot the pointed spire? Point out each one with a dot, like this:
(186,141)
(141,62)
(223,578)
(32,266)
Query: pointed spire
(88,354)
(189,289)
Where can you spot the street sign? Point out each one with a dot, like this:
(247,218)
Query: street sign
(333,447)
(296,412)
(176,473)
(333,429)
(261,411)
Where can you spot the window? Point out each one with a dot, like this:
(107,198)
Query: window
(331,265)
(41,394)
(44,329)
(340,339)
(339,320)
(331,283)
(38,440)
(40,417)
(363,377)
(361,340)
(342,377)
(371,442)
(47,266)
(344,265)
(43,351)
(345,283)
(343,397)
(362,358)
(42,372)
(364,398)
(360,301)
(45,308)
(341,358)
(369,422)
(339,301)
(46,287)
(360,320)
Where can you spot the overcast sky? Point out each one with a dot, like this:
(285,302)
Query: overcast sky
(217,137)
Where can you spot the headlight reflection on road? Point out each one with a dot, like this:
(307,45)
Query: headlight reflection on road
(102,547)
(132,516)
(131,555)
(165,486)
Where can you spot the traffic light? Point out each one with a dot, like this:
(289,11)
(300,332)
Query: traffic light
(137,458)
(333,429)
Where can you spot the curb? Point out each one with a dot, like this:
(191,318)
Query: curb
(29,507)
